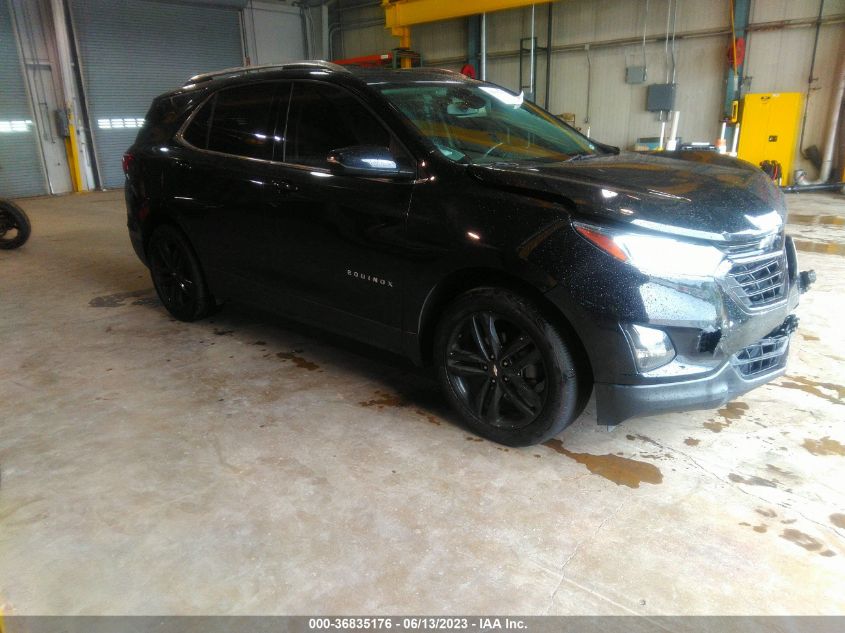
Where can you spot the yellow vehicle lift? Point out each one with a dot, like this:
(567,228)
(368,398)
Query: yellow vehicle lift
(401,15)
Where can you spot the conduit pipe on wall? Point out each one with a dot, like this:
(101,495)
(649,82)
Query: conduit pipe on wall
(832,126)
(672,141)
(483,47)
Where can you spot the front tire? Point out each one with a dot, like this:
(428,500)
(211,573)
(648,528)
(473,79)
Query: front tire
(177,275)
(507,370)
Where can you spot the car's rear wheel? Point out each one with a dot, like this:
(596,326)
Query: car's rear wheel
(177,275)
(506,369)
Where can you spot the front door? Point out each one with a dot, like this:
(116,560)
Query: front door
(340,237)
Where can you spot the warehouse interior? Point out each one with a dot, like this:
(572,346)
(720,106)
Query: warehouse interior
(250,465)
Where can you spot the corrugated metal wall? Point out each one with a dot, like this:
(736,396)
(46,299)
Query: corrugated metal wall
(778,60)
(132,50)
(21,170)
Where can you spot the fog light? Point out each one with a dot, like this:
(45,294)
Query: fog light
(652,348)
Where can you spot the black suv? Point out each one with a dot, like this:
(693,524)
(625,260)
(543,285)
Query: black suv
(451,221)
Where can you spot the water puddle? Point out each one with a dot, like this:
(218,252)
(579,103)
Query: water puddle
(824,446)
(715,426)
(620,470)
(806,541)
(733,410)
(814,387)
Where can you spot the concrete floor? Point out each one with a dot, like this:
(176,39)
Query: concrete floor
(247,465)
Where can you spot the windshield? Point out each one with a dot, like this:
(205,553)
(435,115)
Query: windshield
(485,124)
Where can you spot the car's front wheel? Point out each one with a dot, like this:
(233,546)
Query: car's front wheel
(177,275)
(508,371)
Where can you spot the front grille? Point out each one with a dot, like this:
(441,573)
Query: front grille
(764,355)
(761,282)
(755,247)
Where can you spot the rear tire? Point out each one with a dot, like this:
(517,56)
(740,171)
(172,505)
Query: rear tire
(14,225)
(177,275)
(509,372)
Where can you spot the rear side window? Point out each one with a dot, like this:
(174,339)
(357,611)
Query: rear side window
(240,121)
(324,117)
(197,132)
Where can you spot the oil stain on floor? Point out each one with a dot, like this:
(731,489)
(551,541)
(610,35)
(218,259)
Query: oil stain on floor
(751,481)
(620,470)
(838,520)
(297,360)
(117,299)
(824,446)
(384,399)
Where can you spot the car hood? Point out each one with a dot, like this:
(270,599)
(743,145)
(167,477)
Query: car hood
(700,195)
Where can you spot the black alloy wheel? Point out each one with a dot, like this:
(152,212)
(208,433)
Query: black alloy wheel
(177,276)
(497,370)
(512,375)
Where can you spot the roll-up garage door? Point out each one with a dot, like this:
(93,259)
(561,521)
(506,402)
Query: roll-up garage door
(132,50)
(21,171)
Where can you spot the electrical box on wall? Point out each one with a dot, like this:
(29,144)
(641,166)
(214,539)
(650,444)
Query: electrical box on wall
(661,97)
(635,74)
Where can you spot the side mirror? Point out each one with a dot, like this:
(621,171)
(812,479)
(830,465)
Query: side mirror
(364,160)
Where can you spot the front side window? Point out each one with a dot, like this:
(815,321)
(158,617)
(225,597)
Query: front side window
(472,123)
(323,118)
(240,121)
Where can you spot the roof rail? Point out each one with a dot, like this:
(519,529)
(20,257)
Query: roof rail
(243,70)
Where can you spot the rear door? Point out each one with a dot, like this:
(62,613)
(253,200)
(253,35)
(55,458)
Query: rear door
(220,176)
(341,238)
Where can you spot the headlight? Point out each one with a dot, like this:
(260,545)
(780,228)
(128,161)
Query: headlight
(655,255)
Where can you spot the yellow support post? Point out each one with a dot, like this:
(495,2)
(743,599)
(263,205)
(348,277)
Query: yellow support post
(72,149)
(404,35)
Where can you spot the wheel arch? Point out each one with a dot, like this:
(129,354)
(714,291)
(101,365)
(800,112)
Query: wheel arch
(159,218)
(461,281)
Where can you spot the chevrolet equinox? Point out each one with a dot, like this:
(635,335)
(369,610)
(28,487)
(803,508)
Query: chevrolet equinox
(452,221)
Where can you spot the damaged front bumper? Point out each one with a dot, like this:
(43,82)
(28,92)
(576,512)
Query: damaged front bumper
(730,334)
(750,367)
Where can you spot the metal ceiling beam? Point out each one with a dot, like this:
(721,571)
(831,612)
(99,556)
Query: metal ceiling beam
(399,14)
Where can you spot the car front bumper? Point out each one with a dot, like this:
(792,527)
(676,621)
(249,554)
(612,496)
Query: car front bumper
(618,402)
(715,335)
